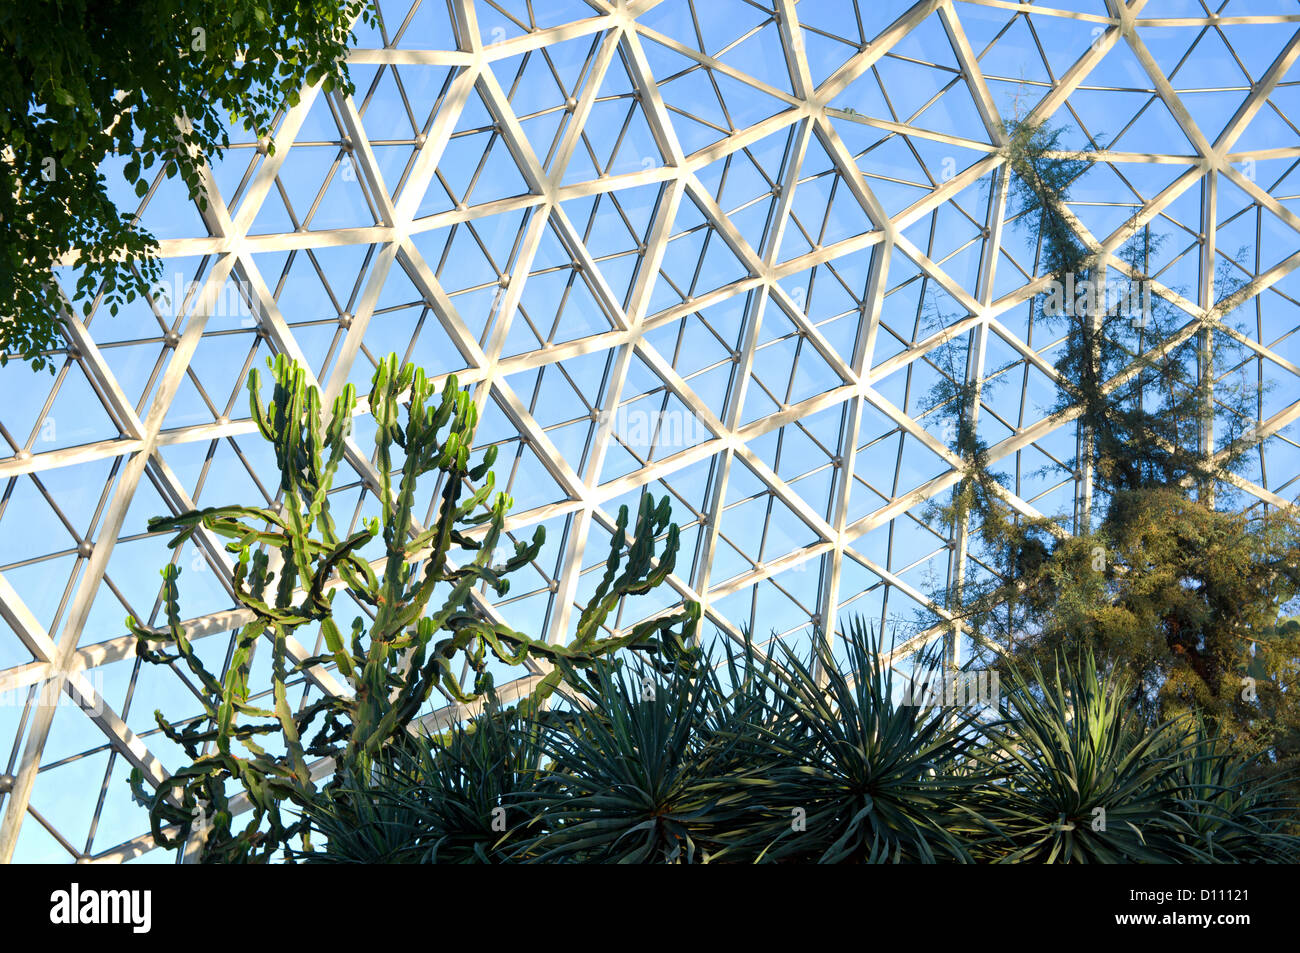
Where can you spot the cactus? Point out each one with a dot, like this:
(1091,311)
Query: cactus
(291,562)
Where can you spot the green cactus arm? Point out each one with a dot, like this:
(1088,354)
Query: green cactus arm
(410,647)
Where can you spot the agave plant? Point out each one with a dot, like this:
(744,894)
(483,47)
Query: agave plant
(639,774)
(1225,812)
(1082,780)
(861,774)
(774,757)
(375,822)
(448,798)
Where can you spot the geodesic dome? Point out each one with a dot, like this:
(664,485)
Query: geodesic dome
(703,249)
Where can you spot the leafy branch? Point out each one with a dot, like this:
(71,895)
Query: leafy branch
(144,87)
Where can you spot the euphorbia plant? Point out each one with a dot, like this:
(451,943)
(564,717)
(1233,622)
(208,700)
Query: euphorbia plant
(291,562)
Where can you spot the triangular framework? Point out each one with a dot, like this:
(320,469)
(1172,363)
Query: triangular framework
(718,249)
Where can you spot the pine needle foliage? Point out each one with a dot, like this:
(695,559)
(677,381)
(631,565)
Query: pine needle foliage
(1152,570)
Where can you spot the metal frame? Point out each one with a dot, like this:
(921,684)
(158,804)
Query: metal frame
(821,577)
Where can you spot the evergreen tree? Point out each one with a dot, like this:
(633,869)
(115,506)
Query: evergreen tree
(1154,570)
